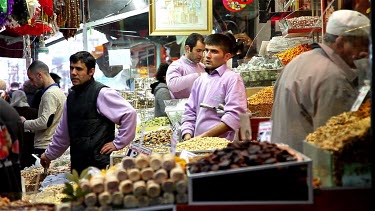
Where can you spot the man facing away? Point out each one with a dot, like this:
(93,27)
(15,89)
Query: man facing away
(182,73)
(88,122)
(320,83)
(219,86)
(50,107)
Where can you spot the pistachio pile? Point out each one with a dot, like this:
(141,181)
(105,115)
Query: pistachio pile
(201,144)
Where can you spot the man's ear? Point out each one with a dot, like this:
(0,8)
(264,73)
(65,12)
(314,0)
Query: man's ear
(227,56)
(92,71)
(187,49)
(340,41)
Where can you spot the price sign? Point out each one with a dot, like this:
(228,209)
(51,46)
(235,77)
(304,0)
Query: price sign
(134,149)
(362,94)
(245,128)
(264,131)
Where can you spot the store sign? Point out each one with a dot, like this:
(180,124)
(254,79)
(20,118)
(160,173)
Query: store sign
(135,149)
(362,94)
(236,5)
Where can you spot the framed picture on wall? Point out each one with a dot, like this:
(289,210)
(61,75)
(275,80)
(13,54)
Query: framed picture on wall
(180,17)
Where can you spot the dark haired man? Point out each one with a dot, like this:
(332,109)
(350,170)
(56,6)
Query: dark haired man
(182,73)
(219,86)
(50,107)
(88,122)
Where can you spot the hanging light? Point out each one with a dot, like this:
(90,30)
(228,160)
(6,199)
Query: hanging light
(42,46)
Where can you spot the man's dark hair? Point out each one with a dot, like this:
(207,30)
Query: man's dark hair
(162,72)
(233,39)
(15,85)
(55,76)
(220,40)
(38,65)
(85,57)
(193,39)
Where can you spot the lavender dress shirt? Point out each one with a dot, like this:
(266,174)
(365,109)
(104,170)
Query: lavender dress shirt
(221,86)
(111,105)
(181,75)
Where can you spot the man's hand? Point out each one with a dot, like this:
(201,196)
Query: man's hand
(186,137)
(44,161)
(108,148)
(22,119)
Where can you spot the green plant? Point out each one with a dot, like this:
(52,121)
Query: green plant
(73,191)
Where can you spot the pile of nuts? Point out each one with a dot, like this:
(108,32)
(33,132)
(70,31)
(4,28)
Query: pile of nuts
(34,176)
(292,53)
(303,22)
(340,131)
(202,144)
(4,201)
(157,141)
(242,154)
(261,103)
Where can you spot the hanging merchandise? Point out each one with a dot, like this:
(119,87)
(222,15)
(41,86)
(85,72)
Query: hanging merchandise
(233,5)
(20,12)
(72,16)
(35,29)
(46,6)
(37,24)
(3,6)
(6,7)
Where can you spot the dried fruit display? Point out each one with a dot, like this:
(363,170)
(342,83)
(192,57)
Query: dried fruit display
(261,103)
(341,130)
(242,154)
(291,53)
(347,139)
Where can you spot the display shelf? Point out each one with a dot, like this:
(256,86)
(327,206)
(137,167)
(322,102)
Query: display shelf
(290,182)
(301,32)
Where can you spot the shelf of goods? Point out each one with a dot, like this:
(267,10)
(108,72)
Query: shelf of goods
(141,97)
(158,141)
(301,26)
(251,172)
(340,150)
(259,71)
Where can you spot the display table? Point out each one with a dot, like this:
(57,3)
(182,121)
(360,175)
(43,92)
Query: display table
(324,200)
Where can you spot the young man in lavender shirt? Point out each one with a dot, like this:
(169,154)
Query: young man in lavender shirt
(89,117)
(182,73)
(219,86)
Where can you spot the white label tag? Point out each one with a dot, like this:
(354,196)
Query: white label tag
(175,138)
(186,155)
(135,149)
(361,96)
(264,131)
